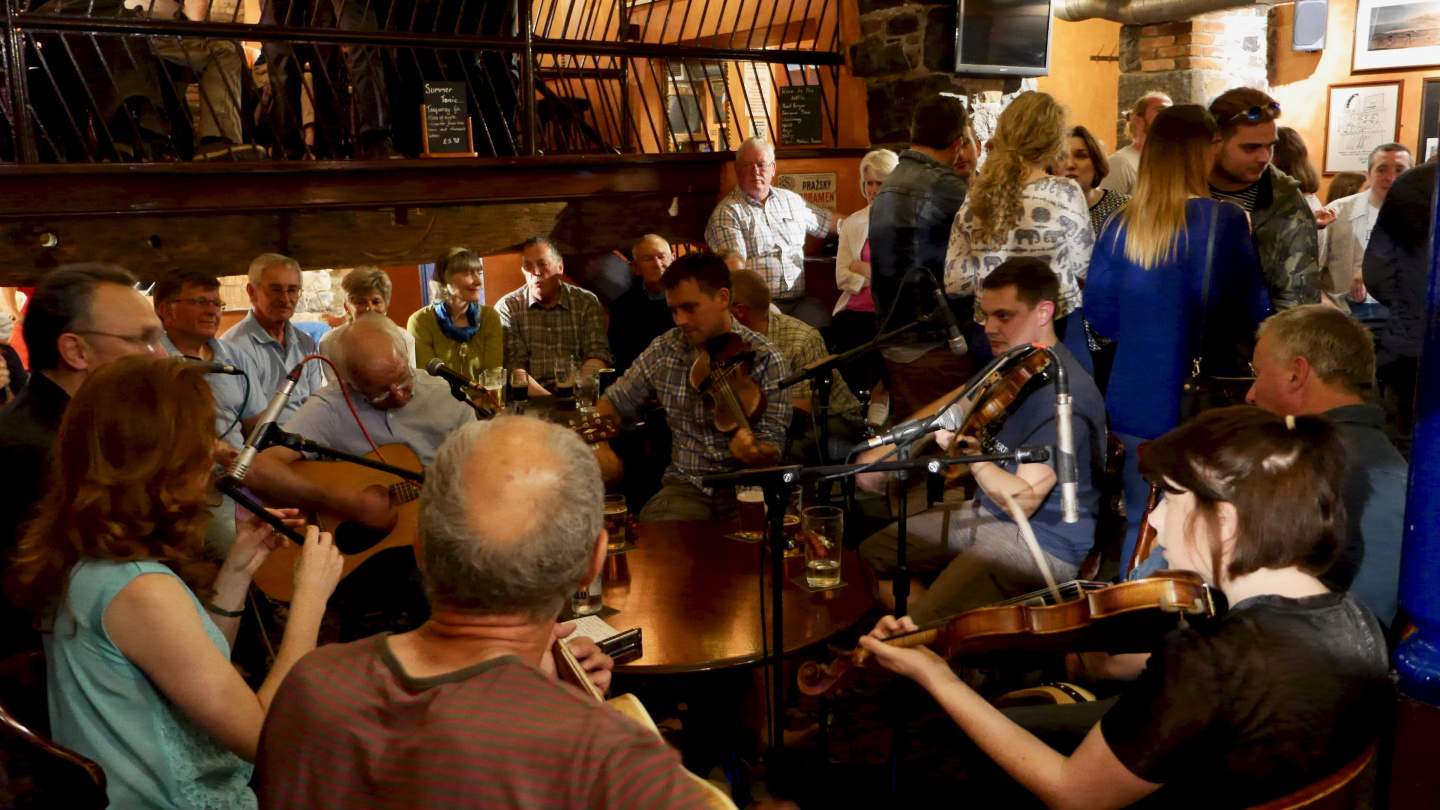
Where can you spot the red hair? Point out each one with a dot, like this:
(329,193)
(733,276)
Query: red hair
(129,479)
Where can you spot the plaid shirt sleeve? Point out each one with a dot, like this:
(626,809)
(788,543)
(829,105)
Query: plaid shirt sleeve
(593,342)
(723,232)
(820,221)
(517,352)
(636,385)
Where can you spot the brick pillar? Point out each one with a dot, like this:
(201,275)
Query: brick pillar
(1195,60)
(906,53)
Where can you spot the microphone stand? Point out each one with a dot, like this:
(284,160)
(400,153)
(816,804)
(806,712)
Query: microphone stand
(297,442)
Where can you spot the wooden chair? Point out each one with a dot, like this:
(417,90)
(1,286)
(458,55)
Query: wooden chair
(37,772)
(1350,787)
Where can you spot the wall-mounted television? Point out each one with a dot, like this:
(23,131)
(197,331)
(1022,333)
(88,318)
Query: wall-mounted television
(1003,37)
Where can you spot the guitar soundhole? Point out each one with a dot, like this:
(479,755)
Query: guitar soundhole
(353,537)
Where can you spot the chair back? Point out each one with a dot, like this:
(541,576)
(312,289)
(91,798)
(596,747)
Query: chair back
(37,772)
(1110,522)
(1353,786)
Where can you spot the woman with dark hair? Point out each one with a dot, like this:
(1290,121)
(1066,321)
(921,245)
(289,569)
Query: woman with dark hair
(1287,687)
(1343,184)
(1156,262)
(138,624)
(459,330)
(1087,165)
(1293,158)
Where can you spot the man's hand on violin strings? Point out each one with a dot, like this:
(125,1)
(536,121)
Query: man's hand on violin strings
(751,452)
(919,664)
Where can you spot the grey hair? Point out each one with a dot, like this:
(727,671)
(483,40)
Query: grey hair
(466,569)
(366,322)
(362,280)
(264,260)
(758,144)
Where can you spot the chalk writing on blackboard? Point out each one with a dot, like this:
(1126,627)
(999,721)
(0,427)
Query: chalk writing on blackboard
(446,113)
(801,116)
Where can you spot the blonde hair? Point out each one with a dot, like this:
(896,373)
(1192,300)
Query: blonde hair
(1032,131)
(1174,166)
(880,161)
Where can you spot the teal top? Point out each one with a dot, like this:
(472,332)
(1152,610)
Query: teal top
(105,708)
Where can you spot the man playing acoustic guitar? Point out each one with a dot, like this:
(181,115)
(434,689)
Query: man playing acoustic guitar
(971,554)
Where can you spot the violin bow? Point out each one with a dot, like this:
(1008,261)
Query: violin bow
(1029,534)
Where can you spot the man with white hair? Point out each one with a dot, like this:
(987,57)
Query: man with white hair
(395,404)
(466,711)
(766,226)
(268,337)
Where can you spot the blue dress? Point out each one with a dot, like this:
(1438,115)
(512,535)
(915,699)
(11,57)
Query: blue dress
(105,708)
(1152,314)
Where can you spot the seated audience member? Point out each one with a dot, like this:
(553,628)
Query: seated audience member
(458,328)
(798,342)
(910,220)
(367,289)
(767,227)
(1316,360)
(1017,209)
(266,334)
(640,314)
(138,625)
(477,680)
(1287,240)
(81,318)
(1355,219)
(698,289)
(1147,290)
(1397,273)
(1289,686)
(396,405)
(1343,184)
(189,305)
(1125,163)
(972,554)
(550,323)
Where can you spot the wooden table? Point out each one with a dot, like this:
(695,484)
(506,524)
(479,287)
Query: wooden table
(694,593)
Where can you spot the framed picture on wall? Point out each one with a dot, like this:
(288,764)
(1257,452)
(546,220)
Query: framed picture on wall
(1429,121)
(1360,117)
(1395,34)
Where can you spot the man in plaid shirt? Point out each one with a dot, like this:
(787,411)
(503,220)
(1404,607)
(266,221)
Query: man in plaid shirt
(766,226)
(548,322)
(697,287)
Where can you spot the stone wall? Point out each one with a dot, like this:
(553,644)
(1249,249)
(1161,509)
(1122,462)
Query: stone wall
(906,53)
(1195,60)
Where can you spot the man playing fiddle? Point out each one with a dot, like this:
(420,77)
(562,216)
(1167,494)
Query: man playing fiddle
(698,291)
(971,553)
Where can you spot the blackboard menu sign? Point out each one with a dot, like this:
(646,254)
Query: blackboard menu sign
(446,118)
(801,115)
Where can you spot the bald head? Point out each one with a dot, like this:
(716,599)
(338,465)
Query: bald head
(510,517)
(373,359)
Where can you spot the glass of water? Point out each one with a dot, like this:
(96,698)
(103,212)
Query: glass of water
(587,389)
(823,529)
(587,601)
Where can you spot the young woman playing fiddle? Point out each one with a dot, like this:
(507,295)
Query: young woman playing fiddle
(1289,686)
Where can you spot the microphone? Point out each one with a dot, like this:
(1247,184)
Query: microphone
(259,436)
(949,419)
(956,341)
(437,368)
(213,367)
(1067,471)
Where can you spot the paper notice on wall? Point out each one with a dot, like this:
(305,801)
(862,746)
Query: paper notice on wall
(1432,145)
(817,188)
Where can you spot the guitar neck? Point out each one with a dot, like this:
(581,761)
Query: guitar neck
(403,492)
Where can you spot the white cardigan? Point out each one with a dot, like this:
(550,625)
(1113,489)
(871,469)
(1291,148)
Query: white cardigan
(854,230)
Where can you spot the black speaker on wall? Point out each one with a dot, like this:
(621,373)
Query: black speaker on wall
(1310,20)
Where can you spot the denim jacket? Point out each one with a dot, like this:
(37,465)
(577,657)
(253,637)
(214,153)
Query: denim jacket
(910,223)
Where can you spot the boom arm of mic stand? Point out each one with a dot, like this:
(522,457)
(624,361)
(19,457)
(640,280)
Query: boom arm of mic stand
(824,364)
(304,445)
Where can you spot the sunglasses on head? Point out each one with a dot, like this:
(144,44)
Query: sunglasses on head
(1259,112)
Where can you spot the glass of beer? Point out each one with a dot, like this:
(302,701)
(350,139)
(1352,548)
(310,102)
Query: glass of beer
(751,502)
(793,516)
(615,516)
(493,381)
(824,527)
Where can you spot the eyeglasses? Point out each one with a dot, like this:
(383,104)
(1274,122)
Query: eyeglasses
(1257,113)
(395,390)
(202,302)
(756,167)
(150,337)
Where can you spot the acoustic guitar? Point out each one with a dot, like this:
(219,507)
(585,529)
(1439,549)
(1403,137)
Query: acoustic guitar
(276,578)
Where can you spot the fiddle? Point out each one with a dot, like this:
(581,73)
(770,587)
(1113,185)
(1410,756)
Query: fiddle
(722,375)
(994,400)
(1090,616)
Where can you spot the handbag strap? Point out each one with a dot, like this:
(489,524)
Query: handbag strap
(1205,288)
